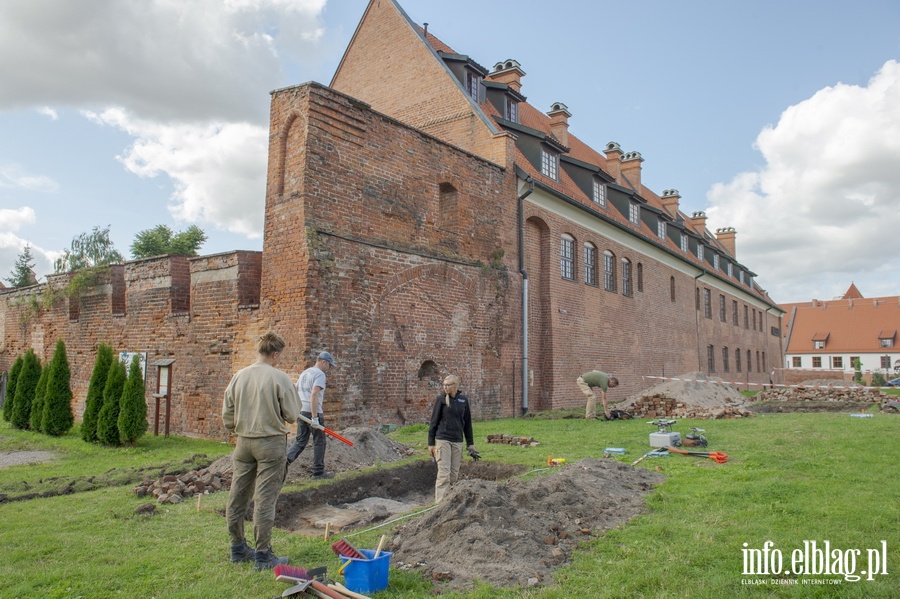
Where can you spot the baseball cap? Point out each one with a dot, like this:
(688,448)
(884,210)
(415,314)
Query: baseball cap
(327,357)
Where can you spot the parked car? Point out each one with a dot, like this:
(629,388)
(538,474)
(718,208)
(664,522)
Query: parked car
(894,382)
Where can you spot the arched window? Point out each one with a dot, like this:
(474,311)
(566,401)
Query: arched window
(590,264)
(567,257)
(609,271)
(640,277)
(626,277)
(737,360)
(448,207)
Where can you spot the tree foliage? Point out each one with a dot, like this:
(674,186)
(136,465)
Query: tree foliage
(11,387)
(94,399)
(108,418)
(857,366)
(133,406)
(22,274)
(58,417)
(37,406)
(161,240)
(25,387)
(87,250)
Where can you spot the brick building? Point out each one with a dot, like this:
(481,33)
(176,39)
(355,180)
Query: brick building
(825,337)
(410,207)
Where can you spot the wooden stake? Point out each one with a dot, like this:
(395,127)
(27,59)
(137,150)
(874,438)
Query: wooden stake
(199,499)
(327,530)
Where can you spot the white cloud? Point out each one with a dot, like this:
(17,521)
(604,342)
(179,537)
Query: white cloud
(12,220)
(48,112)
(219,169)
(13,176)
(828,198)
(162,59)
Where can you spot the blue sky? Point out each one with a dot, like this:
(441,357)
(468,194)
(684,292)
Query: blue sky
(781,119)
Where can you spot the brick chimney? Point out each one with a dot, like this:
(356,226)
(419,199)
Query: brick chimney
(631,168)
(726,236)
(559,122)
(613,159)
(509,72)
(669,199)
(697,222)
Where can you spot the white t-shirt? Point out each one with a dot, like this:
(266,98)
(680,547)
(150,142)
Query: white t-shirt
(311,377)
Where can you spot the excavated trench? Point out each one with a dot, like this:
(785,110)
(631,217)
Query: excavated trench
(373,497)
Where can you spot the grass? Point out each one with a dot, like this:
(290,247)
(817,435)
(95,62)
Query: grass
(789,478)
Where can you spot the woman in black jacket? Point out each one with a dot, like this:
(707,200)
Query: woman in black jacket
(451,420)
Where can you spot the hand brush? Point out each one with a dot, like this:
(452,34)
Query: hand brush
(286,573)
(344,548)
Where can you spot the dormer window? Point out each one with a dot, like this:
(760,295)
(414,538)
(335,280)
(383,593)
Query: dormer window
(818,345)
(700,251)
(886,338)
(684,242)
(661,229)
(473,81)
(741,276)
(512,110)
(716,261)
(634,213)
(550,164)
(730,269)
(819,340)
(599,192)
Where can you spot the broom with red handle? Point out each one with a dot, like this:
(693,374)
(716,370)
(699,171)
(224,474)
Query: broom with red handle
(328,432)
(713,455)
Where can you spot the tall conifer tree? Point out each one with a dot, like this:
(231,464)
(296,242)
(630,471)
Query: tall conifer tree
(25,387)
(58,417)
(133,407)
(11,387)
(94,399)
(108,419)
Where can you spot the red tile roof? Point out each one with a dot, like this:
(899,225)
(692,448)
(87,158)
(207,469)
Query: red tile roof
(533,118)
(846,325)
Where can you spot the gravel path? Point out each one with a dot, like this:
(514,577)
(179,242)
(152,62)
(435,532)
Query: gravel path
(14,458)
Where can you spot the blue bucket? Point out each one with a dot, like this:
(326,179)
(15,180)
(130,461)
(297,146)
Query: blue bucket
(367,575)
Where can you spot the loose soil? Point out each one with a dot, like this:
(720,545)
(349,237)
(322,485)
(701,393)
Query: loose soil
(517,533)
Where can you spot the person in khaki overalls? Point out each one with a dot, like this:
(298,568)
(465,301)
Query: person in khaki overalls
(589,381)
(258,402)
(451,420)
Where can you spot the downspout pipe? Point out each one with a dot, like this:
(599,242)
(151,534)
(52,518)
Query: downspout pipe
(524,273)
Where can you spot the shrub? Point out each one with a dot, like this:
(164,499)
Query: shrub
(11,388)
(94,399)
(25,387)
(37,406)
(58,417)
(108,418)
(857,366)
(133,407)
(878,380)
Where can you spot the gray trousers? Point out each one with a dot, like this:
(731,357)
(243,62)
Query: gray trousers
(258,473)
(303,432)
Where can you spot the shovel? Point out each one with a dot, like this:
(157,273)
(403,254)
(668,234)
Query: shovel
(713,455)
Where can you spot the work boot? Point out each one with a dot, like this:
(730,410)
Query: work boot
(323,475)
(242,553)
(266,560)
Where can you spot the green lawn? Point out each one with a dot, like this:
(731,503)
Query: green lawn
(790,478)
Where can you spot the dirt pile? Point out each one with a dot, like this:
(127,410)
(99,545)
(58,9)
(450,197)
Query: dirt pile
(518,532)
(697,396)
(370,447)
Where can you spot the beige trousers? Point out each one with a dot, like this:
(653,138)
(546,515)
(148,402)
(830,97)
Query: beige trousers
(448,456)
(590,410)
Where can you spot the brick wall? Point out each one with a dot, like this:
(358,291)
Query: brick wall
(168,307)
(393,260)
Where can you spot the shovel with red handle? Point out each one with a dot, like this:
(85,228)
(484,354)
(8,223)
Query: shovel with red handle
(713,455)
(328,432)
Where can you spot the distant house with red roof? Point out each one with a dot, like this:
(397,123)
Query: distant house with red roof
(830,335)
